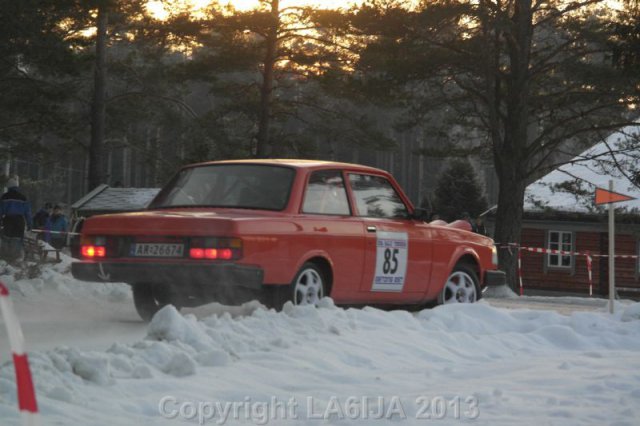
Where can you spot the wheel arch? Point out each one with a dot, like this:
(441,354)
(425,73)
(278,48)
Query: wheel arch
(471,260)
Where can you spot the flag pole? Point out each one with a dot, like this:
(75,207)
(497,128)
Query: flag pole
(612,242)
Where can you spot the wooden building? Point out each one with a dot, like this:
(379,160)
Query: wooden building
(585,234)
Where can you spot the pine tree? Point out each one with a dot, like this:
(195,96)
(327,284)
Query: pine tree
(458,192)
(35,66)
(271,74)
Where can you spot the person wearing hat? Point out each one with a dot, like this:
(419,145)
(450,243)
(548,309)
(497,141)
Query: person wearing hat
(15,214)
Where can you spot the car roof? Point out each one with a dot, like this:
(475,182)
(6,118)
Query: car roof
(297,163)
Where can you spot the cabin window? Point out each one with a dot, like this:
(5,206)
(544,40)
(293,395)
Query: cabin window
(563,241)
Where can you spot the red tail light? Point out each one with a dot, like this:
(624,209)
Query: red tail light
(93,251)
(216,248)
(225,253)
(196,253)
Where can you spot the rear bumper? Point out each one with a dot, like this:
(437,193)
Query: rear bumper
(175,275)
(494,278)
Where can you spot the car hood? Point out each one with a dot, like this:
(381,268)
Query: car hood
(194,222)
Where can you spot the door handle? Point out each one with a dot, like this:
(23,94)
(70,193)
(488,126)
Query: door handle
(371,229)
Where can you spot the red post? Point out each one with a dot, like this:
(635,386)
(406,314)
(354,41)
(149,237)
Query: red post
(24,382)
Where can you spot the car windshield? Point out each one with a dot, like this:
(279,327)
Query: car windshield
(247,186)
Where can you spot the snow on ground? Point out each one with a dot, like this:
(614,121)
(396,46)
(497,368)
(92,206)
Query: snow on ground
(477,364)
(54,307)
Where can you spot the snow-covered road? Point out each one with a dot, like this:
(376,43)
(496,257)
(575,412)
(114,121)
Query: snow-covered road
(496,363)
(56,310)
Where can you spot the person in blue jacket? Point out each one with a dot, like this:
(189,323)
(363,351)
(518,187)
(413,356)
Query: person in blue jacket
(41,216)
(15,214)
(57,223)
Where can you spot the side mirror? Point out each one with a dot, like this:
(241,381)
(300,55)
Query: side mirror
(420,214)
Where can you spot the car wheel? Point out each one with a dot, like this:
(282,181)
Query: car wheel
(461,287)
(149,299)
(307,288)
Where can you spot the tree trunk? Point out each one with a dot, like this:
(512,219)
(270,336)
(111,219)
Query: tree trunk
(96,146)
(509,155)
(509,225)
(266,89)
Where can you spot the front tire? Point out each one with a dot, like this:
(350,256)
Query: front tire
(462,286)
(149,299)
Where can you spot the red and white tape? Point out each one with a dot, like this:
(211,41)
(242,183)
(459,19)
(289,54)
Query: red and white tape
(24,382)
(564,252)
(588,256)
(551,251)
(618,256)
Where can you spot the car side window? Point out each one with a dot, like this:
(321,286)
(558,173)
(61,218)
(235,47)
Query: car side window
(376,197)
(326,194)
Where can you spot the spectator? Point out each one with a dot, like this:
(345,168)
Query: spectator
(41,217)
(478,226)
(467,217)
(15,213)
(57,226)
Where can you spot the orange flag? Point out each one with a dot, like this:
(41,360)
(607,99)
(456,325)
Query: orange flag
(605,197)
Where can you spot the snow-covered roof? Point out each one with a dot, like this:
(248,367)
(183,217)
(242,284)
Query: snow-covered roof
(571,187)
(107,199)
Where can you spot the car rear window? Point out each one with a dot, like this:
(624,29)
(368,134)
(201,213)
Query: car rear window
(246,186)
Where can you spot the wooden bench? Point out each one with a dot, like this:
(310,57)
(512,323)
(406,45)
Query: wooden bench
(37,250)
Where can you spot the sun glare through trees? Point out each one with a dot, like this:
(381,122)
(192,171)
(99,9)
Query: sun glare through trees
(164,9)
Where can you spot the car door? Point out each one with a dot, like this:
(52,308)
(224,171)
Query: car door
(398,249)
(330,230)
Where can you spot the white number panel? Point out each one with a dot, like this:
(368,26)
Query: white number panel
(392,252)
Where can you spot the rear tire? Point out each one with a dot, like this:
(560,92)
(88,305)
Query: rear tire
(149,299)
(307,288)
(462,286)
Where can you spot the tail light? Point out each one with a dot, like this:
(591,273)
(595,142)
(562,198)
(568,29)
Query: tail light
(93,247)
(216,248)
(93,251)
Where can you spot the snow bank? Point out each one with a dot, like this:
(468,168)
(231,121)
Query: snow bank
(499,292)
(631,313)
(520,366)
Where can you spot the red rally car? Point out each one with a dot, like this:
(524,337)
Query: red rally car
(279,230)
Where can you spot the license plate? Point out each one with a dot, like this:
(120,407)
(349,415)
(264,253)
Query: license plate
(157,250)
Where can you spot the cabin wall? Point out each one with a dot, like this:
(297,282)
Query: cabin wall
(539,274)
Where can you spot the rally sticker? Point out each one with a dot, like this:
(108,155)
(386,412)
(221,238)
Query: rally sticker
(392,250)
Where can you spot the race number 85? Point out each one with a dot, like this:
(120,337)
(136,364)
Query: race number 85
(390,265)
